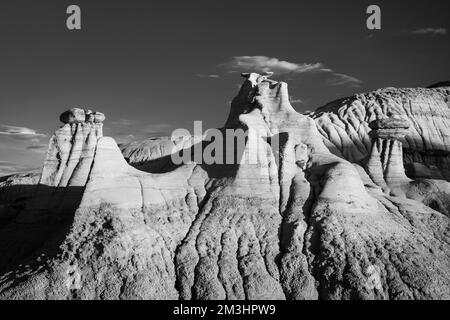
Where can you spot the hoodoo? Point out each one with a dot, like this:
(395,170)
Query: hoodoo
(72,148)
(317,216)
(385,164)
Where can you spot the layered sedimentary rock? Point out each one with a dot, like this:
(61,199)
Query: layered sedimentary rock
(72,147)
(344,124)
(295,216)
(46,205)
(67,164)
(385,164)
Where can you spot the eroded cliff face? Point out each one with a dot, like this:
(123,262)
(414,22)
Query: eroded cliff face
(344,124)
(311,218)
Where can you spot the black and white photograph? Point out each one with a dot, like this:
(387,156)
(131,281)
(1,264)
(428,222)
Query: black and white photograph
(213,151)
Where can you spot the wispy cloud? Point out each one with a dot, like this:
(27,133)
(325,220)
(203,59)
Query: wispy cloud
(23,144)
(294,100)
(38,147)
(430,31)
(286,68)
(20,132)
(265,64)
(210,76)
(123,122)
(339,79)
(157,129)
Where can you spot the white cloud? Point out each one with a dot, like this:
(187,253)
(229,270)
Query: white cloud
(157,129)
(23,144)
(211,76)
(430,31)
(38,147)
(291,69)
(20,132)
(123,122)
(339,79)
(294,100)
(16,130)
(265,64)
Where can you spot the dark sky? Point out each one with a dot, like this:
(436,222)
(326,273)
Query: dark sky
(153,66)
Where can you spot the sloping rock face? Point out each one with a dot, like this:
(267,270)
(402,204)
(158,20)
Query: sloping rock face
(441,84)
(298,221)
(344,124)
(15,191)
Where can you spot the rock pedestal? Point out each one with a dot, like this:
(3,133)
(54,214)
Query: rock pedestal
(72,147)
(385,164)
(68,162)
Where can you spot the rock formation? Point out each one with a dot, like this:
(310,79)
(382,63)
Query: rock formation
(68,163)
(323,213)
(344,124)
(72,148)
(385,164)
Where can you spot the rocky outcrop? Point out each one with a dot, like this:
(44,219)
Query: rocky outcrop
(67,164)
(72,147)
(344,125)
(301,220)
(39,207)
(385,164)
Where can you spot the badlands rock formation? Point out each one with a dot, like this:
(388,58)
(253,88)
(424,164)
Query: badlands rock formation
(385,164)
(345,126)
(327,212)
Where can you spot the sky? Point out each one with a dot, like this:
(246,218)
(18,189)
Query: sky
(154,66)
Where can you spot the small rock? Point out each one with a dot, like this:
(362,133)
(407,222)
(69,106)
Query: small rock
(99,117)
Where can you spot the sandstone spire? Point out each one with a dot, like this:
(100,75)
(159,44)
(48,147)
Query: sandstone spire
(72,147)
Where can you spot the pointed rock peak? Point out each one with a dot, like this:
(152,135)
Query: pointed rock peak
(255,77)
(260,92)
